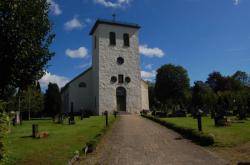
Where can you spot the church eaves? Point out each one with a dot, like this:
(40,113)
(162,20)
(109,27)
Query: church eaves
(111,22)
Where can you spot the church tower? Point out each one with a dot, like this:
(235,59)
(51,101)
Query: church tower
(116,76)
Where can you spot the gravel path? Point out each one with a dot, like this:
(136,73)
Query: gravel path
(134,140)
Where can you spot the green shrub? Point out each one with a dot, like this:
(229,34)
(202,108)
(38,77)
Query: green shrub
(189,133)
(3,131)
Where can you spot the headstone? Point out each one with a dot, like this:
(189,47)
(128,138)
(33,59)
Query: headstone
(35,130)
(17,117)
(71,117)
(199,114)
(106,117)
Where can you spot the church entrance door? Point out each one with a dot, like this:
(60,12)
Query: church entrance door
(121,99)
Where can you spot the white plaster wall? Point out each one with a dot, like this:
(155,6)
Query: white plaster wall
(81,97)
(107,56)
(65,100)
(144,95)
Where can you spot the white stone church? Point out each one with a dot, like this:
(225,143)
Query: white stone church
(113,82)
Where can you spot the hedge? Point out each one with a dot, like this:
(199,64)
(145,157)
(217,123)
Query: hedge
(3,131)
(200,138)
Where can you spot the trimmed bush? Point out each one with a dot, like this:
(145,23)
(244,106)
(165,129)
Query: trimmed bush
(3,131)
(189,133)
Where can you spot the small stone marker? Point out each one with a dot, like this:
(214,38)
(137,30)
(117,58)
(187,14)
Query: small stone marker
(34,130)
(106,117)
(199,113)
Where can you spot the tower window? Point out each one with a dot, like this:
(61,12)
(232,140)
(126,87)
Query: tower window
(126,39)
(127,79)
(120,78)
(112,39)
(113,79)
(120,60)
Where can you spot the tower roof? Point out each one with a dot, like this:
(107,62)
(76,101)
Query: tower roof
(112,22)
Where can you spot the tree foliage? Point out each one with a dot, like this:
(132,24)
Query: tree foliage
(3,130)
(203,96)
(221,83)
(153,102)
(31,100)
(25,34)
(241,76)
(172,84)
(52,102)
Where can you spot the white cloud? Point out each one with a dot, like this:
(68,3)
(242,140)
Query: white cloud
(236,2)
(77,53)
(73,24)
(54,7)
(148,75)
(114,4)
(48,77)
(148,66)
(150,52)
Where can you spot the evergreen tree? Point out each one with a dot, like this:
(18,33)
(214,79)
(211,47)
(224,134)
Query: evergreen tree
(52,102)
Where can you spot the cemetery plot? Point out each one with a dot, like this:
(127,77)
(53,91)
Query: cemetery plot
(59,146)
(237,133)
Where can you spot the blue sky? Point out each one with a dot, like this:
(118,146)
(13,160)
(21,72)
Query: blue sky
(200,35)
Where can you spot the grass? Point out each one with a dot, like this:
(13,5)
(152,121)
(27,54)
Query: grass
(59,147)
(237,133)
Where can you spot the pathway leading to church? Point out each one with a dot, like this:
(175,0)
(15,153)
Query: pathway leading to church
(136,140)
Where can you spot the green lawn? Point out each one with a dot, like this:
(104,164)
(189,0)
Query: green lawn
(59,147)
(237,133)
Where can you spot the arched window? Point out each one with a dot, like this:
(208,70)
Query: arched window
(112,38)
(126,39)
(82,85)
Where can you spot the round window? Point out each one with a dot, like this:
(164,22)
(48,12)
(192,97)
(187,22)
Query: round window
(120,60)
(113,79)
(127,79)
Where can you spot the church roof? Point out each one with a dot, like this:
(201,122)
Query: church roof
(81,74)
(111,22)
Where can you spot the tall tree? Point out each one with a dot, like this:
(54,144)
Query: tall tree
(153,102)
(219,82)
(203,96)
(241,76)
(32,101)
(172,84)
(215,81)
(25,34)
(52,102)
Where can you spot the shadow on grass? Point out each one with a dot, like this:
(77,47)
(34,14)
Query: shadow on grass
(24,137)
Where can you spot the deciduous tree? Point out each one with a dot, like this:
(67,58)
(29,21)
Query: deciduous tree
(25,37)
(172,84)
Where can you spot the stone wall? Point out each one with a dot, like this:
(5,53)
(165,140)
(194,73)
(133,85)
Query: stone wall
(144,95)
